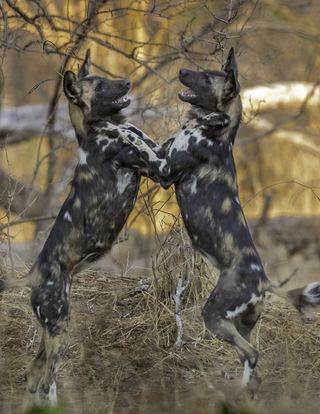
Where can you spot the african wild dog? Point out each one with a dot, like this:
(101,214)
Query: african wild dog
(201,164)
(102,195)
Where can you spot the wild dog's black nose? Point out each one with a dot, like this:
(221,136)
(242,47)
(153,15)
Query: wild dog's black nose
(183,72)
(127,83)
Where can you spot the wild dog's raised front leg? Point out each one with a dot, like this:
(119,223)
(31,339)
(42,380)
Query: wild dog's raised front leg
(157,148)
(157,165)
(131,158)
(196,134)
(165,169)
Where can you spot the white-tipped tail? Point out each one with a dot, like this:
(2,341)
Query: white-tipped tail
(305,299)
(311,293)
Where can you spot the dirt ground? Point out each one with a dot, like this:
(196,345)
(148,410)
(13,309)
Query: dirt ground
(121,357)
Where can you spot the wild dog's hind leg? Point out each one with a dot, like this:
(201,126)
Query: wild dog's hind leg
(226,329)
(244,323)
(36,370)
(55,348)
(50,301)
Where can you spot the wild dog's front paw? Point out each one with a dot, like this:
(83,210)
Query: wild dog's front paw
(217,120)
(164,169)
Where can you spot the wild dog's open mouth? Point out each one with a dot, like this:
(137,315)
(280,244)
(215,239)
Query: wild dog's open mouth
(121,102)
(187,95)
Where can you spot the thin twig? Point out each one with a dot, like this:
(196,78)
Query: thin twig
(26,220)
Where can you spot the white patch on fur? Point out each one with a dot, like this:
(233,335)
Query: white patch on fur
(82,157)
(124,180)
(208,172)
(237,200)
(154,158)
(239,309)
(38,311)
(67,289)
(311,297)
(99,244)
(135,141)
(67,216)
(102,139)
(255,267)
(52,396)
(181,142)
(193,185)
(156,147)
(247,374)
(50,283)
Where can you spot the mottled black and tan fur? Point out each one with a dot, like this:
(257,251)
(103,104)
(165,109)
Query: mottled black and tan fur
(200,163)
(103,193)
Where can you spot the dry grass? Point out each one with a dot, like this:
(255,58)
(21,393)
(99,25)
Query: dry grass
(121,359)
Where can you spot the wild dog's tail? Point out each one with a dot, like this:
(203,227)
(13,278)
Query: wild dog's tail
(305,299)
(27,281)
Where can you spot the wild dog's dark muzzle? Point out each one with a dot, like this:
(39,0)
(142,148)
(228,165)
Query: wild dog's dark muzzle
(118,89)
(186,78)
(199,92)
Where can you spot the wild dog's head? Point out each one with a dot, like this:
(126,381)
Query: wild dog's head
(93,98)
(209,91)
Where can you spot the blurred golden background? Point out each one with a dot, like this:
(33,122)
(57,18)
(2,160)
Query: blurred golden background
(277,45)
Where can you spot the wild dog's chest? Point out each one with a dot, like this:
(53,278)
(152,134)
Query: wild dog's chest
(208,186)
(184,142)
(111,199)
(102,180)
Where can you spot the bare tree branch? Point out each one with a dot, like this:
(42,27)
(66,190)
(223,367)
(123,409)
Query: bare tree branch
(22,199)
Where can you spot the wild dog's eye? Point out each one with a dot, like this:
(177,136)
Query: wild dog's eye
(98,87)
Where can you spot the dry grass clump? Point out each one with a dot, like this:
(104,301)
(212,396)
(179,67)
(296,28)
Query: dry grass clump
(121,357)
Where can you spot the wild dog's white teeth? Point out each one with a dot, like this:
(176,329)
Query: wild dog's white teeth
(123,99)
(187,93)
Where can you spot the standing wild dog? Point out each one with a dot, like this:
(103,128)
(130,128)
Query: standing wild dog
(200,163)
(103,193)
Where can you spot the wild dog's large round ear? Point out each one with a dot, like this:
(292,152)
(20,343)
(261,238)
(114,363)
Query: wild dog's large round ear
(230,63)
(84,69)
(232,86)
(70,86)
